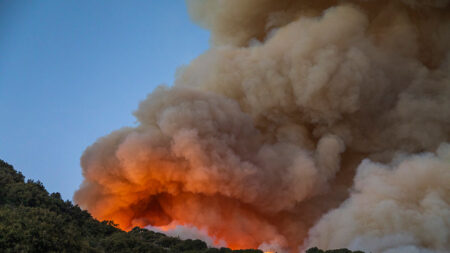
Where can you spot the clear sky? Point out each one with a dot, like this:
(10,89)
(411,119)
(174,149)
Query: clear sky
(74,70)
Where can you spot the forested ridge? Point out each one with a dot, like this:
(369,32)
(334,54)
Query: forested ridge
(32,220)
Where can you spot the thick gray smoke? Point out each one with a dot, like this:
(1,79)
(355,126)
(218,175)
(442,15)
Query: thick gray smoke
(307,123)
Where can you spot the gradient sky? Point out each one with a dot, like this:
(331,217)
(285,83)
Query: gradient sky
(72,71)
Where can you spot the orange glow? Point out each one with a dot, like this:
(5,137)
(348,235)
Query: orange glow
(238,225)
(160,202)
(166,228)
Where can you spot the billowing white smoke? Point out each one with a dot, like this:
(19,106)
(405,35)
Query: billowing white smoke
(402,207)
(188,232)
(258,140)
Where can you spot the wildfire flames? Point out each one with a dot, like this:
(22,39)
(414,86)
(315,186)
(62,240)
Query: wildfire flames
(308,123)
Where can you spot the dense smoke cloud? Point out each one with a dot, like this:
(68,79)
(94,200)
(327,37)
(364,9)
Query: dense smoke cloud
(258,142)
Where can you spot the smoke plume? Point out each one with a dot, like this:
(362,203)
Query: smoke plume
(307,123)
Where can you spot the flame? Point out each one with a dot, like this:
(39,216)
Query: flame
(166,228)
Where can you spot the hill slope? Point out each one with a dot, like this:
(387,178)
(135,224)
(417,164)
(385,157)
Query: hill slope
(32,220)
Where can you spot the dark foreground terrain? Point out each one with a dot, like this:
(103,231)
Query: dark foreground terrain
(32,220)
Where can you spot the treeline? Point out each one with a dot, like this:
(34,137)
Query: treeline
(32,220)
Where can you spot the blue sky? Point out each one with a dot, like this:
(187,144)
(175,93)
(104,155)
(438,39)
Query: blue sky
(74,70)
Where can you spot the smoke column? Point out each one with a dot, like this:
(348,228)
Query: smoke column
(307,123)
